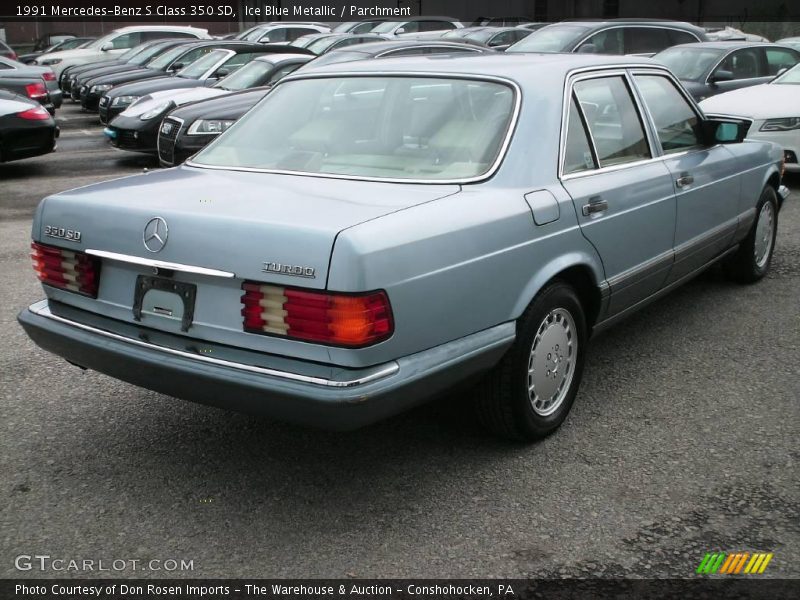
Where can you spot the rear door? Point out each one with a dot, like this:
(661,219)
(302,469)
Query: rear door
(624,199)
(706,179)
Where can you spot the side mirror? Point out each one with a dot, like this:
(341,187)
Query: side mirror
(176,67)
(222,73)
(400,30)
(721,75)
(781,71)
(587,49)
(106,47)
(719,130)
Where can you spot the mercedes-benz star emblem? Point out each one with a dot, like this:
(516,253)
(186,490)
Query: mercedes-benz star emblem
(155,235)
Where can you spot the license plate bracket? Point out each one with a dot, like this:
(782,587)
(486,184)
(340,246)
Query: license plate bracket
(186,291)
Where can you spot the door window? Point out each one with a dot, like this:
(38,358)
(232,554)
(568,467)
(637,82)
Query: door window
(614,122)
(744,64)
(677,125)
(645,40)
(127,40)
(435,25)
(778,58)
(681,37)
(274,36)
(607,42)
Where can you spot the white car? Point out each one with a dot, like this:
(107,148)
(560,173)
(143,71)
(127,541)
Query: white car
(774,108)
(115,43)
(417,25)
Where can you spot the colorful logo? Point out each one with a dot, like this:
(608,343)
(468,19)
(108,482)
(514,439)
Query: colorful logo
(734,563)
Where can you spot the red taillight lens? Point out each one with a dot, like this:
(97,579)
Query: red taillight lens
(65,269)
(49,76)
(34,114)
(328,318)
(36,90)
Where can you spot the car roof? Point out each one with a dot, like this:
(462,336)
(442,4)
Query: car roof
(602,24)
(723,45)
(383,46)
(160,28)
(518,67)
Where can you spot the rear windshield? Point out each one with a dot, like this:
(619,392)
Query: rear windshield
(553,38)
(401,127)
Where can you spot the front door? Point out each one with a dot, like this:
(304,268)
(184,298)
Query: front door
(624,201)
(705,178)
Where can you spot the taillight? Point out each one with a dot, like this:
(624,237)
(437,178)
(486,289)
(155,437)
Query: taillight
(36,90)
(352,320)
(37,113)
(13,55)
(65,269)
(49,76)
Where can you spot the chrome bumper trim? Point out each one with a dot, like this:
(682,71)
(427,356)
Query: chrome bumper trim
(43,310)
(160,264)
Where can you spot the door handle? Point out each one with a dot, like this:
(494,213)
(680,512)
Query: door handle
(595,205)
(684,180)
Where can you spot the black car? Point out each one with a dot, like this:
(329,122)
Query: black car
(617,36)
(71,73)
(712,68)
(498,38)
(26,128)
(171,58)
(226,57)
(187,129)
(137,63)
(137,128)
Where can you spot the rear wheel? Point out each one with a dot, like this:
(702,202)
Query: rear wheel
(529,393)
(751,261)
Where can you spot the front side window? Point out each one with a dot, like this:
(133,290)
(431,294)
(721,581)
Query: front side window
(401,127)
(273,36)
(743,64)
(677,125)
(613,120)
(610,41)
(778,59)
(689,63)
(126,40)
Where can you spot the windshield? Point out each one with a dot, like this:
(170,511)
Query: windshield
(147,54)
(554,38)
(201,65)
(689,63)
(319,46)
(162,61)
(791,77)
(386,27)
(436,129)
(248,76)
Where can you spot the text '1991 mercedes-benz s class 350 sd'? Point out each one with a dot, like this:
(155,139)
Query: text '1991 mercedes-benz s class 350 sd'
(372,234)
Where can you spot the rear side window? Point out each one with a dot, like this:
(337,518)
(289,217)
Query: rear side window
(645,40)
(577,152)
(274,36)
(677,125)
(778,59)
(435,25)
(681,37)
(614,123)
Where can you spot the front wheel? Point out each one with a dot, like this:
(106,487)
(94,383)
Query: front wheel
(529,393)
(751,261)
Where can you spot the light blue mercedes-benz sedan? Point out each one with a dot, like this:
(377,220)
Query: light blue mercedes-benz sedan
(373,233)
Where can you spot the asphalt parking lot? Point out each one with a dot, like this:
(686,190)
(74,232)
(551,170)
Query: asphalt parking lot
(683,440)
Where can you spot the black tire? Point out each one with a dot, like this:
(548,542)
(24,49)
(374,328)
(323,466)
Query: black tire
(743,265)
(502,399)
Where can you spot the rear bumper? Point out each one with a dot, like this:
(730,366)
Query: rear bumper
(324,396)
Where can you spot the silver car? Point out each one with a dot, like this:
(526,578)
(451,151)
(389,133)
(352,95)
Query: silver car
(373,233)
